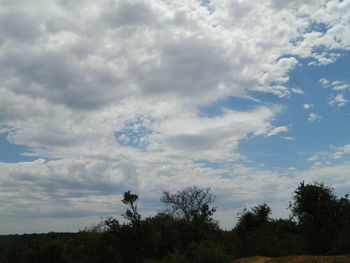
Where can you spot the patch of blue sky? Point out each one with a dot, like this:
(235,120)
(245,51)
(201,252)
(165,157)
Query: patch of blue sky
(207,4)
(232,103)
(134,134)
(305,137)
(317,27)
(208,164)
(313,27)
(13,153)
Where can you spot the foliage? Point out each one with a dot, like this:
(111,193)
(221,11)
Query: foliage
(320,214)
(190,203)
(252,219)
(203,252)
(258,234)
(130,200)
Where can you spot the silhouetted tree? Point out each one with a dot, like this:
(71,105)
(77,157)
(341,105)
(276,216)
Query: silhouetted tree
(191,203)
(320,215)
(252,219)
(131,214)
(258,234)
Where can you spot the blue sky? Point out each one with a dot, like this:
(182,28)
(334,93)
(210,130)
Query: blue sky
(309,136)
(12,153)
(246,97)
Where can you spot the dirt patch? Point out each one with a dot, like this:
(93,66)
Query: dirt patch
(296,259)
(253,260)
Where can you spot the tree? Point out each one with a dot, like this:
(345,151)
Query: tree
(131,214)
(320,215)
(190,203)
(252,219)
(258,234)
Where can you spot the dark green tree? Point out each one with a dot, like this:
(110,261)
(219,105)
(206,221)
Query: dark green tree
(252,219)
(320,215)
(258,234)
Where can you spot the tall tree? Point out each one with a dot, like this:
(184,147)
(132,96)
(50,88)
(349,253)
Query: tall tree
(190,203)
(131,213)
(320,215)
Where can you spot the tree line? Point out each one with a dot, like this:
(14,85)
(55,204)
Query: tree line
(186,232)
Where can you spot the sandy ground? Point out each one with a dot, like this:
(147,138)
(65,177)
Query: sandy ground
(296,259)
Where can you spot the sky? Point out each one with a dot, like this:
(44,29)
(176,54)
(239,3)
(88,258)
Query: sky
(248,97)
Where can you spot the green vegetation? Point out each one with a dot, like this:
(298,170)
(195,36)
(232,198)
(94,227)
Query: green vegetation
(186,232)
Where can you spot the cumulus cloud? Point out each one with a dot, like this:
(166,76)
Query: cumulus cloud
(108,93)
(341,87)
(333,155)
(338,100)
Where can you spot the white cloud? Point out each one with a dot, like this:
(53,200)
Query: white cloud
(324,82)
(338,100)
(210,138)
(335,85)
(340,152)
(297,91)
(75,73)
(288,138)
(307,106)
(277,130)
(333,175)
(341,87)
(280,91)
(334,154)
(313,117)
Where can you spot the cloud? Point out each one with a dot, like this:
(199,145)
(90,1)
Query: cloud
(128,14)
(277,130)
(313,117)
(212,138)
(289,138)
(339,152)
(338,100)
(91,187)
(333,175)
(339,86)
(335,85)
(307,106)
(297,91)
(280,91)
(108,93)
(331,156)
(325,83)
